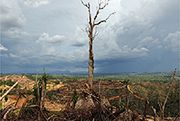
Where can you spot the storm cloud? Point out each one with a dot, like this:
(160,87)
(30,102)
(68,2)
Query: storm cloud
(143,36)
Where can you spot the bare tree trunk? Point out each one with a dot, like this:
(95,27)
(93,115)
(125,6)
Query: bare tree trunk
(127,96)
(92,24)
(42,95)
(91,61)
(38,98)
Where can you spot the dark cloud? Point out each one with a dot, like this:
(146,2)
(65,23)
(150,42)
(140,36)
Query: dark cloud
(143,36)
(78,44)
(159,62)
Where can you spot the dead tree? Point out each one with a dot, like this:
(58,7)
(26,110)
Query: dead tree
(92,33)
(162,105)
(41,93)
(44,80)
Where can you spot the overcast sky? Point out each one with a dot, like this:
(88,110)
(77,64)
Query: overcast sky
(143,36)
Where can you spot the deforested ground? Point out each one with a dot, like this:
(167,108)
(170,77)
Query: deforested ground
(113,98)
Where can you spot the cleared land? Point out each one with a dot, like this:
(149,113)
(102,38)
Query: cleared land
(119,92)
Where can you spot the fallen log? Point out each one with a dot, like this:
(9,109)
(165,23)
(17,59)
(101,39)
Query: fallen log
(8,91)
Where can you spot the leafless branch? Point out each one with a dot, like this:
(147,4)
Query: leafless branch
(103,21)
(86,5)
(163,104)
(6,114)
(97,12)
(100,7)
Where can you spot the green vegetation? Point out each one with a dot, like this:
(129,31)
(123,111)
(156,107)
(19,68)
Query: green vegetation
(7,82)
(150,77)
